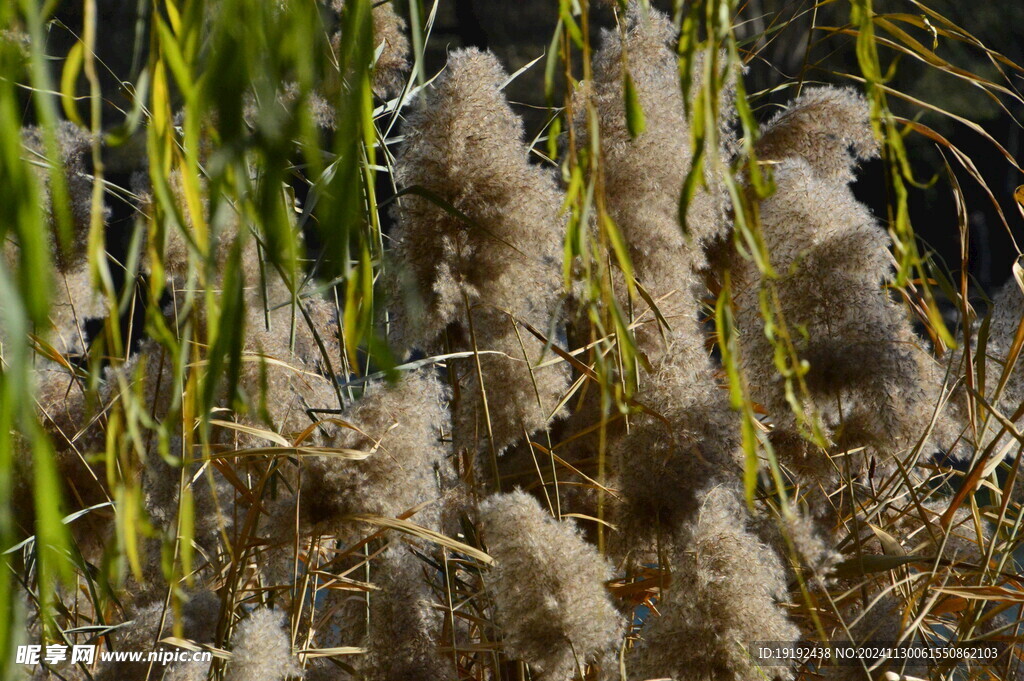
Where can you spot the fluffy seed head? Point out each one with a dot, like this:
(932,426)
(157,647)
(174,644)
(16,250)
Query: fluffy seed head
(1007,313)
(645,175)
(404,628)
(75,300)
(688,435)
(261,649)
(521,395)
(471,277)
(548,586)
(146,624)
(177,249)
(285,373)
(188,671)
(863,354)
(401,427)
(74,144)
(822,126)
(464,144)
(725,594)
(392,64)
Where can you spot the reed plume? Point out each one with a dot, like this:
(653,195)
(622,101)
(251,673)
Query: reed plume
(564,620)
(473,273)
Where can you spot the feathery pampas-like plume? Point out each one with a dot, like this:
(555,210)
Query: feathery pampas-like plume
(153,621)
(802,540)
(725,595)
(644,176)
(694,433)
(281,353)
(882,619)
(1007,313)
(822,127)
(464,146)
(74,145)
(689,438)
(261,649)
(188,671)
(289,351)
(61,395)
(285,371)
(389,71)
(147,380)
(400,427)
(75,300)
(176,252)
(548,585)
(475,257)
(392,64)
(870,379)
(404,626)
(809,543)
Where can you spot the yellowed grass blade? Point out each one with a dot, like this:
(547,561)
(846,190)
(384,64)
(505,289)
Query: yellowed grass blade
(424,533)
